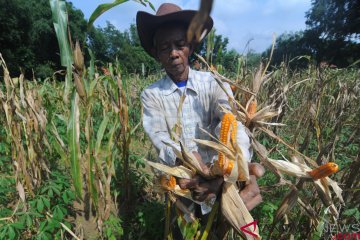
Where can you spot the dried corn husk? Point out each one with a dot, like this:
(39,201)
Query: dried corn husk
(79,85)
(235,211)
(178,171)
(291,169)
(242,165)
(217,146)
(78,57)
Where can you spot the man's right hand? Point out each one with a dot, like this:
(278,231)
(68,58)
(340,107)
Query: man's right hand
(202,189)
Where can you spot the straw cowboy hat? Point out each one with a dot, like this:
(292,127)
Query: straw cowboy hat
(147,23)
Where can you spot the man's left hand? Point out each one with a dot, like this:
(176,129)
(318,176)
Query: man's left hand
(251,193)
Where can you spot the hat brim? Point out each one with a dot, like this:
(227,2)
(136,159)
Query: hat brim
(147,24)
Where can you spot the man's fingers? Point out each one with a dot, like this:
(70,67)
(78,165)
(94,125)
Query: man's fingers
(251,193)
(253,202)
(256,169)
(215,184)
(251,190)
(189,183)
(199,194)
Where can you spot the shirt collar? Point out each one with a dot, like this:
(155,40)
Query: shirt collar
(170,87)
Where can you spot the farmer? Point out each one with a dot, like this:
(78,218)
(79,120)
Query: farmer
(163,36)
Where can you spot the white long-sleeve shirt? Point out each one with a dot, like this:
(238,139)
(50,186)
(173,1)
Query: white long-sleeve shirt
(201,109)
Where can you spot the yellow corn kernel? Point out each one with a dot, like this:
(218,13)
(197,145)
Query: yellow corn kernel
(229,168)
(324,170)
(228,123)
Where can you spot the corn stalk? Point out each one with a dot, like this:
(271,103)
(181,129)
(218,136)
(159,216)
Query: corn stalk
(25,128)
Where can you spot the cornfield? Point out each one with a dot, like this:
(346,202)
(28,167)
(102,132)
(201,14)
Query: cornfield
(74,159)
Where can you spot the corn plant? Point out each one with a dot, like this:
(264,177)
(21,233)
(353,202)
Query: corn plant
(25,130)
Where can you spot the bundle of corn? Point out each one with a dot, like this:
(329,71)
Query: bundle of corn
(230,164)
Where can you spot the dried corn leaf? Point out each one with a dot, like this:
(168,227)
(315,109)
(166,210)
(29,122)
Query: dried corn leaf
(242,165)
(186,193)
(175,149)
(22,95)
(219,147)
(264,113)
(178,171)
(273,135)
(334,185)
(291,169)
(235,211)
(286,205)
(309,210)
(261,151)
(21,191)
(190,159)
(323,192)
(196,28)
(258,79)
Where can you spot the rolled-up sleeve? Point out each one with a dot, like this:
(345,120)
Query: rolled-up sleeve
(155,126)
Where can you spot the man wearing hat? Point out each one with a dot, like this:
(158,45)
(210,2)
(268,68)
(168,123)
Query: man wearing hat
(163,36)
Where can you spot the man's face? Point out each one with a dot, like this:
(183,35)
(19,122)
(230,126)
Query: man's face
(172,49)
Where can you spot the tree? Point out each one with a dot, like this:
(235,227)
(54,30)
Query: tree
(28,39)
(214,46)
(109,43)
(335,19)
(333,31)
(288,47)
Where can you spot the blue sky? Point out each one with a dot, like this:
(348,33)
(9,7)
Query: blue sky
(239,20)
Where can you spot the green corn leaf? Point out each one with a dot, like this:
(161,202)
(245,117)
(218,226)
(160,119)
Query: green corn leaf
(73,134)
(100,134)
(91,65)
(60,19)
(111,135)
(58,148)
(101,9)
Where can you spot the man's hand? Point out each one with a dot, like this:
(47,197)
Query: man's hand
(251,193)
(202,189)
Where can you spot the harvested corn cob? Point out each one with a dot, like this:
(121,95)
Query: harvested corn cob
(168,183)
(252,108)
(233,88)
(228,124)
(324,170)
